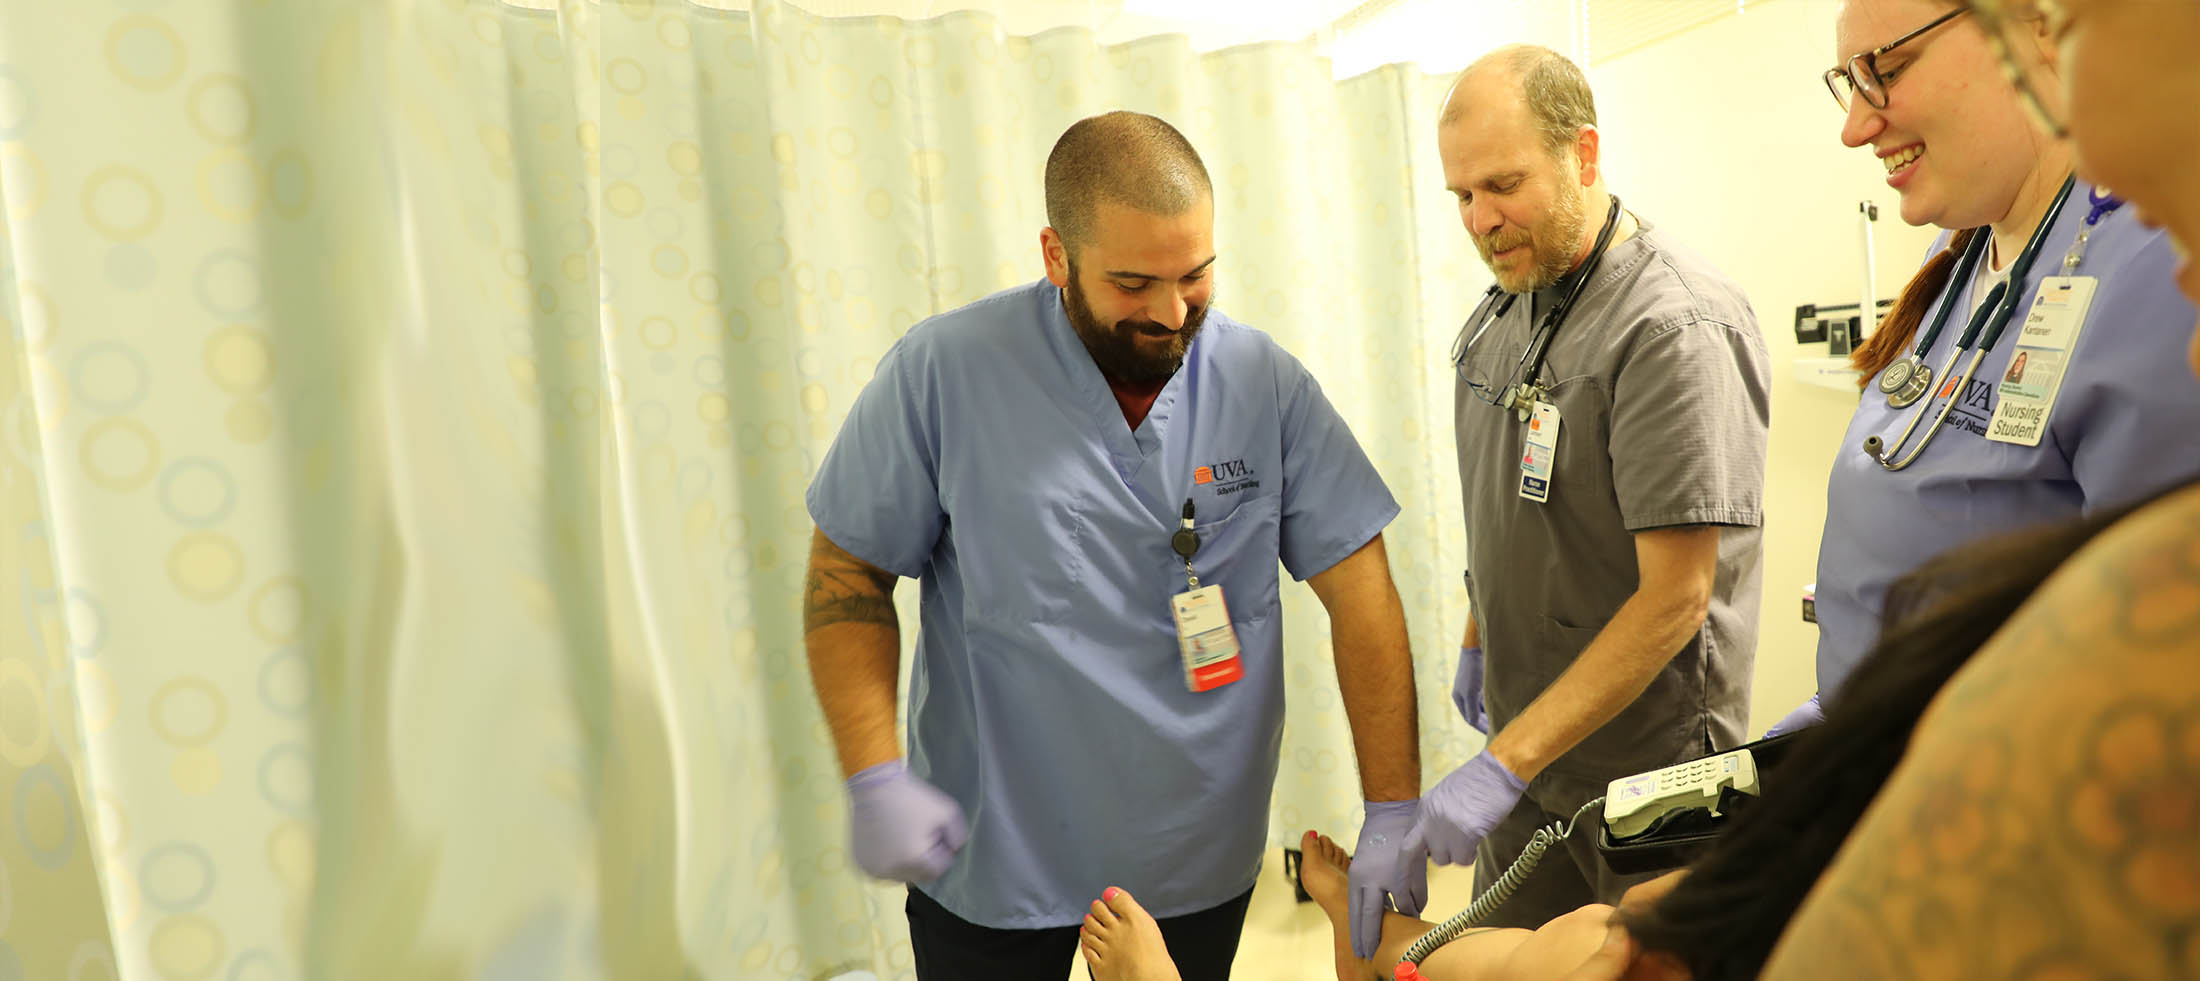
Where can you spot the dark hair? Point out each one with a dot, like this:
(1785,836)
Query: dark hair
(1723,919)
(1892,339)
(1128,158)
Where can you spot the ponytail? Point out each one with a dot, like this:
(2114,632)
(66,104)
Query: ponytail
(1888,343)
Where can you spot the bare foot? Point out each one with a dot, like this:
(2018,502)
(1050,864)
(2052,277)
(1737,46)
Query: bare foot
(1325,872)
(1121,941)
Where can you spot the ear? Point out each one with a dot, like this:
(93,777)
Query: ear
(1056,255)
(1586,146)
(2041,34)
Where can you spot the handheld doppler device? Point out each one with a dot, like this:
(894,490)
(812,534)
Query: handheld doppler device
(1634,805)
(1646,822)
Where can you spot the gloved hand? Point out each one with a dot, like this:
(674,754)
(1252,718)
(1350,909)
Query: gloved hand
(1805,715)
(1460,811)
(1466,690)
(1383,869)
(902,828)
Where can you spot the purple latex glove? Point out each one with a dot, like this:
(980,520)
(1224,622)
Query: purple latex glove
(1384,873)
(900,827)
(1466,690)
(1462,808)
(1805,715)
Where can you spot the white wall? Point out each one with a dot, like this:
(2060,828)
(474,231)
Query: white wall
(1726,137)
(1443,36)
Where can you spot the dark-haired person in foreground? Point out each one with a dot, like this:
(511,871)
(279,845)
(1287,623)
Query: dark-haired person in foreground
(2010,785)
(1029,458)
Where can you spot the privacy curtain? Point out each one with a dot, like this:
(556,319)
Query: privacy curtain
(406,412)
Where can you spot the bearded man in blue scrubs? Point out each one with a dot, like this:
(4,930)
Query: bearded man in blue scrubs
(1080,715)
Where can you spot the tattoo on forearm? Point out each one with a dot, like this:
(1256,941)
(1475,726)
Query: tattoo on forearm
(843,595)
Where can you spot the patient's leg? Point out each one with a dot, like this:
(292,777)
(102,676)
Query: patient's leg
(1324,870)
(1551,951)
(1482,954)
(1121,941)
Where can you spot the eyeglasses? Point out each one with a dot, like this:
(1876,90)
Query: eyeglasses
(2006,23)
(1861,75)
(1494,304)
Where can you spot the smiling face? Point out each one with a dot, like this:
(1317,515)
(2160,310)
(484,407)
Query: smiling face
(1955,138)
(1138,292)
(1526,209)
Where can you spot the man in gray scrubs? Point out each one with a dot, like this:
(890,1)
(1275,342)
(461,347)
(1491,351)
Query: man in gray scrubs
(1613,484)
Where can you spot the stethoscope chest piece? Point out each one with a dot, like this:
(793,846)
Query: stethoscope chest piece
(1906,381)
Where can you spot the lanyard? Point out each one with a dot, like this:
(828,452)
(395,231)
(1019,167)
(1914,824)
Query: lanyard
(2102,203)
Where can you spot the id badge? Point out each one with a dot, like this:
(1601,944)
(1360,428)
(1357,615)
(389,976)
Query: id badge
(2036,370)
(1540,454)
(1209,643)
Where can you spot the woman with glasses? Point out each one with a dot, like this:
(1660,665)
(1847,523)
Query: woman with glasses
(1944,448)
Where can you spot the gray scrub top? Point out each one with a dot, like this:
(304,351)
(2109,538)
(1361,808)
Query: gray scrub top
(1663,389)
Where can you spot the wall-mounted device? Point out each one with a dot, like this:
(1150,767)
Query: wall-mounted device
(1814,323)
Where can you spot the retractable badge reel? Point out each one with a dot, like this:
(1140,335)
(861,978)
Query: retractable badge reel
(1203,632)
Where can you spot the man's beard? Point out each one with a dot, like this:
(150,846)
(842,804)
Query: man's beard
(1121,349)
(1552,244)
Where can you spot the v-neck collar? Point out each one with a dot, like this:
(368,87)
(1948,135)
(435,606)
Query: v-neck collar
(1128,449)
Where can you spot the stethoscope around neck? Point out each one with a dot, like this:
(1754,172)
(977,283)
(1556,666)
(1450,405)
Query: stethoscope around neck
(1522,395)
(1911,378)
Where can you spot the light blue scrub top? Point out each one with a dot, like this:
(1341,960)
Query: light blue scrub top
(2125,425)
(988,459)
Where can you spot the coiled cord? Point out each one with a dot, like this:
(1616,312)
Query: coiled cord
(1499,891)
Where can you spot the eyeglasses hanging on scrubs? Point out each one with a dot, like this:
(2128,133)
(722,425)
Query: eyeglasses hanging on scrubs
(1992,316)
(1521,391)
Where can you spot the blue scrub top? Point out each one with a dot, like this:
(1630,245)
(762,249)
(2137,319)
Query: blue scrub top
(988,459)
(2125,425)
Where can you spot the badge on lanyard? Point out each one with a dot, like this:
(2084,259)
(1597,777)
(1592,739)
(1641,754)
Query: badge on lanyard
(1203,631)
(2027,390)
(1540,456)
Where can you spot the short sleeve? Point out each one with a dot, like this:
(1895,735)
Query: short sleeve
(1333,499)
(877,493)
(1690,410)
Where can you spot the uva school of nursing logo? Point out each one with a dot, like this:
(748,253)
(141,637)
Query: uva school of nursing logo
(1973,410)
(1229,477)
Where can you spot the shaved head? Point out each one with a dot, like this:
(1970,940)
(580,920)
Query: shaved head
(1552,88)
(1125,158)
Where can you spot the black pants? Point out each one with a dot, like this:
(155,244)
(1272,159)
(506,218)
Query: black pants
(950,948)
